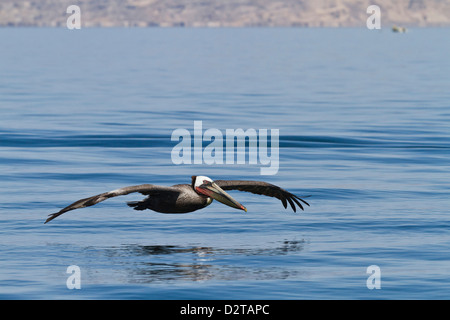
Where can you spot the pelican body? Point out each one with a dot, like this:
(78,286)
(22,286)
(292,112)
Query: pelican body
(184,198)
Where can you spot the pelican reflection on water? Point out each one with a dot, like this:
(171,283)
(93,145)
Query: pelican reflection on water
(184,198)
(154,263)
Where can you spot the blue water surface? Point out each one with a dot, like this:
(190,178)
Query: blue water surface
(363,119)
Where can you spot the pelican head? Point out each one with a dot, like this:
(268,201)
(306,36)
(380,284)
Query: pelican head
(207,187)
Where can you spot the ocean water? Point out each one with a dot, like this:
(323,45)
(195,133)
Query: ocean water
(363,119)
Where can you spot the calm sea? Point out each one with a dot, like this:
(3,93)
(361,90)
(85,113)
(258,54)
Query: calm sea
(364,123)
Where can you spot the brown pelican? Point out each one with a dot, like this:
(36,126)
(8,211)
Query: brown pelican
(183,198)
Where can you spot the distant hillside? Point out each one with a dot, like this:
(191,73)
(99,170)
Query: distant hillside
(224,13)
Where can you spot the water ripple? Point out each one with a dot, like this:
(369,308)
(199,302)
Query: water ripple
(161,140)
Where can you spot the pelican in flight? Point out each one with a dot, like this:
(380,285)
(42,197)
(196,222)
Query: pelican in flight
(184,198)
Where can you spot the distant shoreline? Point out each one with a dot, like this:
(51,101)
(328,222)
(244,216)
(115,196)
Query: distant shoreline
(224,13)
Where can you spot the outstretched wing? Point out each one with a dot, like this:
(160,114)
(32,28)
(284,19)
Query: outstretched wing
(145,189)
(264,188)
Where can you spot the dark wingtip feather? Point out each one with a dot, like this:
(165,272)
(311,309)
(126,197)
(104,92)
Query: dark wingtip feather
(292,204)
(298,203)
(283,200)
(302,199)
(52,216)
